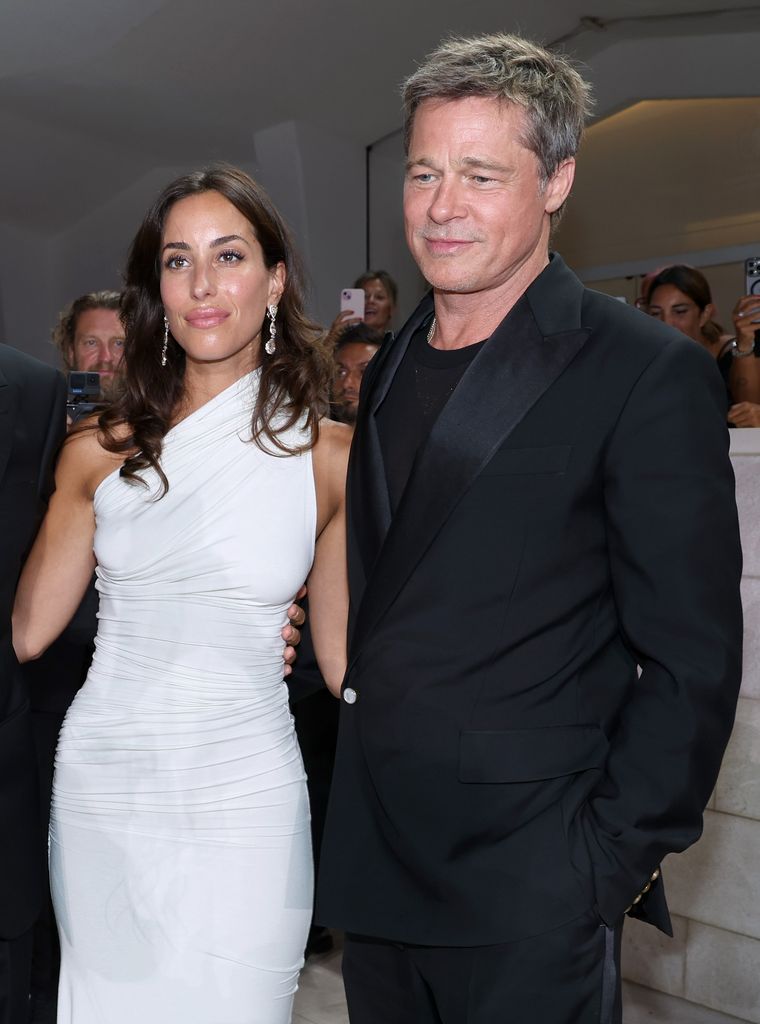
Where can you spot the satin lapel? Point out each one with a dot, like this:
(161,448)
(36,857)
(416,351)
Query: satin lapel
(369,507)
(507,377)
(6,423)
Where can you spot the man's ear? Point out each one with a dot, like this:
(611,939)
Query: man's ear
(558,187)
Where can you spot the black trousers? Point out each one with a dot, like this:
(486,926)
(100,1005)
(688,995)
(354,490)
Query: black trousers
(15,970)
(570,975)
(316,723)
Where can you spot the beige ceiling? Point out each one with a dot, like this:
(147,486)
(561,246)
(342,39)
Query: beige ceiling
(664,177)
(94,94)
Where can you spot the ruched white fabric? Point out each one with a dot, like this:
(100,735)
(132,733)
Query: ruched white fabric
(179,846)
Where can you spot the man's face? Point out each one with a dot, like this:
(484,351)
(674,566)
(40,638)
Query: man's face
(475,211)
(351,360)
(99,344)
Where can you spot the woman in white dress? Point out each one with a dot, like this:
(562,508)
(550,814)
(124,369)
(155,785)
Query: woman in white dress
(179,843)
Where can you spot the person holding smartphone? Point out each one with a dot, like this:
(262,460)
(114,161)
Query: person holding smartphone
(745,375)
(380,300)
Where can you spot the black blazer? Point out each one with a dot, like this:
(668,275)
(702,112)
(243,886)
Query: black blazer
(503,768)
(32,425)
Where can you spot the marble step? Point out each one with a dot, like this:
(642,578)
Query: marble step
(645,1006)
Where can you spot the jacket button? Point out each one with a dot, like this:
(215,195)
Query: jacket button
(349,695)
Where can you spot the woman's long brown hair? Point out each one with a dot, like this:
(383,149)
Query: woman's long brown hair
(294,382)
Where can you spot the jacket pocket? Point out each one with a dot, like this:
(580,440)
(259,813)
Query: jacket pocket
(530,755)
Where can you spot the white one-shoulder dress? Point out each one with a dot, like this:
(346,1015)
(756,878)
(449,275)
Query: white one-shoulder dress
(179,845)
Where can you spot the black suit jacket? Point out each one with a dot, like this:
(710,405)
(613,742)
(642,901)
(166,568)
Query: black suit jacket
(32,425)
(503,768)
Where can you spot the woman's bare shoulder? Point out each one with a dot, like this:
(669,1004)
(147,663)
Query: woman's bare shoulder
(84,462)
(334,437)
(330,455)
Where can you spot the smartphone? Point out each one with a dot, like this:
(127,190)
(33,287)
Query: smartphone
(353,299)
(752,275)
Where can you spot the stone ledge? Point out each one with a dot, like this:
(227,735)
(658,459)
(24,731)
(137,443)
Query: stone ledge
(744,441)
(722,971)
(750,588)
(747,473)
(738,787)
(654,960)
(716,881)
(644,1006)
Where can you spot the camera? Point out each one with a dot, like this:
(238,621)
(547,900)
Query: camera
(752,275)
(84,394)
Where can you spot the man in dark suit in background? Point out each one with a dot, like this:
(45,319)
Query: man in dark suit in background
(32,425)
(540,502)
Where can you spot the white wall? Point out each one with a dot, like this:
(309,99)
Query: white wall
(315,179)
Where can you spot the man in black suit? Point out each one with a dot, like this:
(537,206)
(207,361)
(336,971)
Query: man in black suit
(541,504)
(32,425)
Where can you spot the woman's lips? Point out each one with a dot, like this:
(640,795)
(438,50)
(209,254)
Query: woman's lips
(204,318)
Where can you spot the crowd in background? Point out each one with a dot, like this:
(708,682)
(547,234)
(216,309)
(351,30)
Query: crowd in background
(680,296)
(90,338)
(89,335)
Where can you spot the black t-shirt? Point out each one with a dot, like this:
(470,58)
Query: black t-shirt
(421,387)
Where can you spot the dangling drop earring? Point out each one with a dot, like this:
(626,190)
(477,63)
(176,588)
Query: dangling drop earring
(166,342)
(270,345)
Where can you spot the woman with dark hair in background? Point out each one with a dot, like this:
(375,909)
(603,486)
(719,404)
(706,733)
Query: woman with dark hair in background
(180,853)
(680,295)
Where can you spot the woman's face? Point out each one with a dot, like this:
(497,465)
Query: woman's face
(675,308)
(378,305)
(215,286)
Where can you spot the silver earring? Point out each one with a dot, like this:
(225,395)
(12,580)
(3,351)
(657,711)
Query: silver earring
(271,345)
(166,342)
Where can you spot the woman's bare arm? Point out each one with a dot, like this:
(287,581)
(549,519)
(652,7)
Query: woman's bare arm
(328,580)
(61,562)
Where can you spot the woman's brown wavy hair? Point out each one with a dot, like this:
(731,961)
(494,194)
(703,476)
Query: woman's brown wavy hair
(294,381)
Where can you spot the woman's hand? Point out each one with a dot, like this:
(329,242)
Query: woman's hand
(744,414)
(746,317)
(291,633)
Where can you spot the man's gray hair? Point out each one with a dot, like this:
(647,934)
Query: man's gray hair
(555,98)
